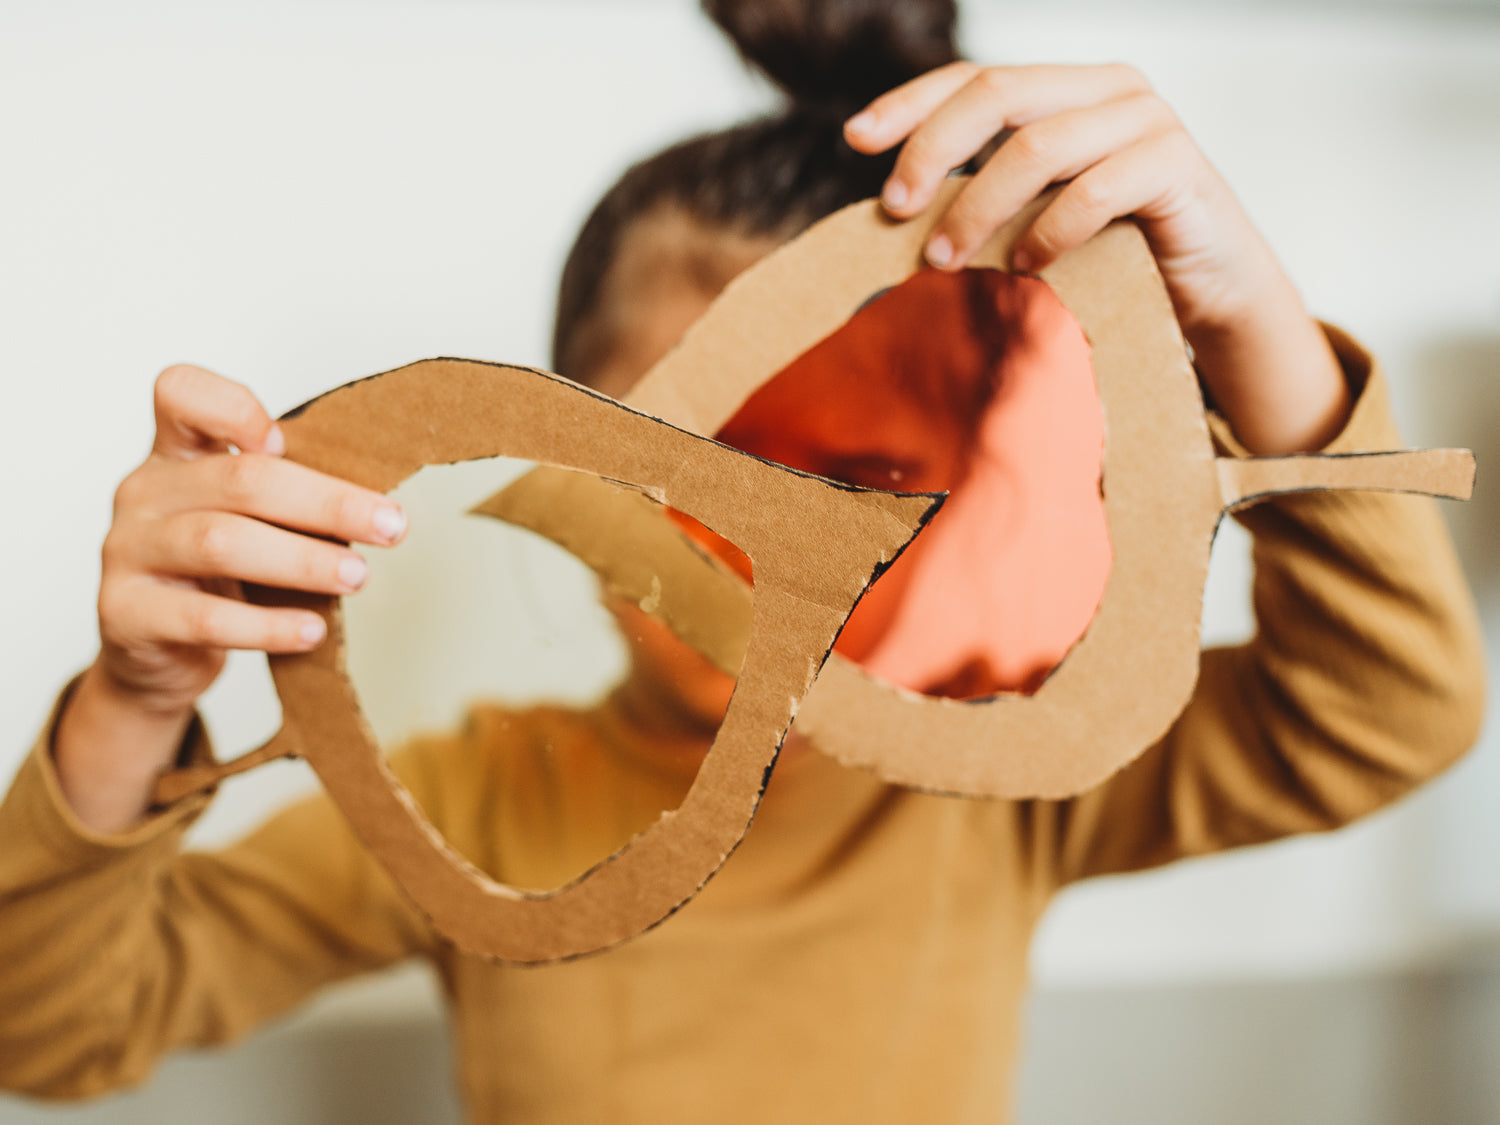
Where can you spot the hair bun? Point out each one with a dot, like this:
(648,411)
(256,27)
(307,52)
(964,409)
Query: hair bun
(839,54)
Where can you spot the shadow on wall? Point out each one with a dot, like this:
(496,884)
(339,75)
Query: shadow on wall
(1459,377)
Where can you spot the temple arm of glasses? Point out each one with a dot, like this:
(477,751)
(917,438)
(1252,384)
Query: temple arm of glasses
(173,785)
(1445,473)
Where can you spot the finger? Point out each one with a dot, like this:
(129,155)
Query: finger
(144,613)
(999,98)
(1056,148)
(284,493)
(954,132)
(890,117)
(198,411)
(221,545)
(1145,176)
(1030,92)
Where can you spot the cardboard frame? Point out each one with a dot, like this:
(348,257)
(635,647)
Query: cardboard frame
(814,545)
(1165,490)
(379,431)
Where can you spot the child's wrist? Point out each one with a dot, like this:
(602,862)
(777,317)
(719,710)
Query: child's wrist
(1273,373)
(109,746)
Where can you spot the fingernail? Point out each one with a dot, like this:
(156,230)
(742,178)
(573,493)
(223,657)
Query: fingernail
(312,630)
(275,443)
(895,195)
(1021,261)
(390,522)
(353,572)
(940,251)
(863,122)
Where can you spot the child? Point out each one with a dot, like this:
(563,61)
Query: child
(862,956)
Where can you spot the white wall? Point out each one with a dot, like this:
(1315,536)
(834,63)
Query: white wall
(297,196)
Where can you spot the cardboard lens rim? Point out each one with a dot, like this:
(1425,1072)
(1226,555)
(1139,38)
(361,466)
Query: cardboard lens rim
(1131,673)
(1165,489)
(379,431)
(1124,682)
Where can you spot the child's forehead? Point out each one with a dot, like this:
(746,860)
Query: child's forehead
(667,248)
(663,276)
(917,365)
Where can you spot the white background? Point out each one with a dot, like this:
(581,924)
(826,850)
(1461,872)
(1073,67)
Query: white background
(301,195)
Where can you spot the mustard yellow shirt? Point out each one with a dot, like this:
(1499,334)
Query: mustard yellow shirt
(861,958)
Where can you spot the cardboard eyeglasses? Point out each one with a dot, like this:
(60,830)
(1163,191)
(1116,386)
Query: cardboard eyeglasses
(377,432)
(815,546)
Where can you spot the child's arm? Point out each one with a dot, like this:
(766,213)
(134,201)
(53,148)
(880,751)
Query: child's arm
(1366,673)
(114,946)
(1365,678)
(192,522)
(116,949)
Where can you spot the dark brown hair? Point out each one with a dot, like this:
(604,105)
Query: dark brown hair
(776,175)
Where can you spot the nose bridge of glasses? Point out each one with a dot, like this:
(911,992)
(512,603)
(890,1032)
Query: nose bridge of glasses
(626,539)
(379,431)
(816,545)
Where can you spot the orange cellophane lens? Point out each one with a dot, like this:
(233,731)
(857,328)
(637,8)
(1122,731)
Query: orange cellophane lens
(978,383)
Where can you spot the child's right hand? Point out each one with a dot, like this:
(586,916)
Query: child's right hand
(211,506)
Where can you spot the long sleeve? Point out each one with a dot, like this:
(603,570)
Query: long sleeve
(1364,678)
(115,950)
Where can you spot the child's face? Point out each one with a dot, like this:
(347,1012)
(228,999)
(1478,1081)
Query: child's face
(851,409)
(666,274)
(977,383)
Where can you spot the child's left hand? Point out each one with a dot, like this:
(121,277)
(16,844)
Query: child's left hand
(1121,151)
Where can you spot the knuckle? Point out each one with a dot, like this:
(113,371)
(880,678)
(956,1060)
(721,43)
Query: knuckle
(112,606)
(244,477)
(121,624)
(1178,147)
(1090,195)
(129,493)
(964,221)
(113,551)
(173,383)
(346,511)
(1156,110)
(244,412)
(992,81)
(1130,76)
(1044,238)
(319,568)
(211,544)
(1032,145)
(920,154)
(203,620)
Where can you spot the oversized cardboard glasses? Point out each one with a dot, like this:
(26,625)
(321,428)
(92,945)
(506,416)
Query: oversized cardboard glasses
(814,545)
(381,430)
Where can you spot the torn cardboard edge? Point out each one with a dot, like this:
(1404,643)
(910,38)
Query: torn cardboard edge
(1164,489)
(379,431)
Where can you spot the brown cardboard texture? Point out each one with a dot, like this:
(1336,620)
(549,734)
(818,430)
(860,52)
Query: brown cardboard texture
(1165,490)
(814,546)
